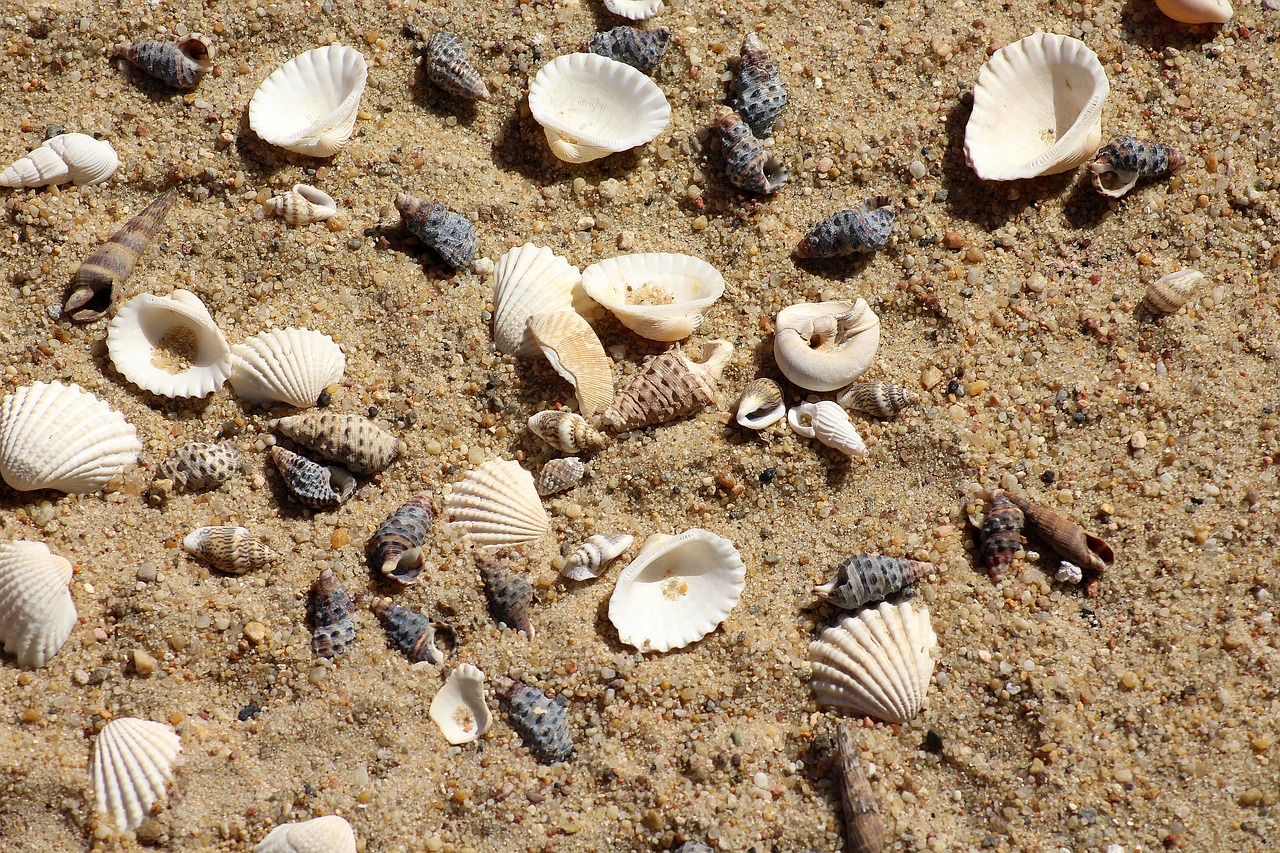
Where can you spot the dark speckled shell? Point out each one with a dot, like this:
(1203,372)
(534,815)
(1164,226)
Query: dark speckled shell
(540,721)
(451,235)
(312,484)
(329,608)
(746,164)
(199,465)
(1001,534)
(410,632)
(759,95)
(446,64)
(179,64)
(509,594)
(395,549)
(864,578)
(847,232)
(642,49)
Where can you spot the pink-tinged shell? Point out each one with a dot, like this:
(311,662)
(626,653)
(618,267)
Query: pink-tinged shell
(1065,537)
(863,829)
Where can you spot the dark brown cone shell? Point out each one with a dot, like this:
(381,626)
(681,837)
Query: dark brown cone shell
(669,386)
(1001,535)
(1067,538)
(92,288)
(509,594)
(395,549)
(863,829)
(329,609)
(407,630)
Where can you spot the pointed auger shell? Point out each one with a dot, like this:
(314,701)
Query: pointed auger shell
(93,287)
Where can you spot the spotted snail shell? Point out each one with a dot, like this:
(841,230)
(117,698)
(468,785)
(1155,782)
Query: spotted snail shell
(355,442)
(586,561)
(329,609)
(567,431)
(864,578)
(862,229)
(230,549)
(1001,534)
(312,484)
(560,475)
(746,164)
(641,49)
(92,288)
(540,721)
(451,235)
(199,465)
(395,548)
(444,59)
(179,64)
(410,632)
(759,94)
(509,594)
(1124,161)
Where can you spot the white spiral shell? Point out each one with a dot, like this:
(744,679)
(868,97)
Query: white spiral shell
(75,157)
(303,205)
(828,423)
(132,761)
(290,366)
(36,610)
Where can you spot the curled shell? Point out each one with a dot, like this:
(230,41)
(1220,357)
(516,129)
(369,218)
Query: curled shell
(1064,536)
(291,366)
(353,441)
(329,609)
(746,164)
(309,104)
(303,205)
(230,549)
(642,49)
(179,64)
(759,94)
(586,560)
(496,505)
(509,594)
(396,546)
(540,721)
(449,234)
(444,59)
(410,632)
(669,386)
(199,465)
(530,280)
(659,295)
(848,232)
(311,484)
(761,404)
(169,345)
(1124,161)
(36,610)
(877,399)
(1168,293)
(560,475)
(863,829)
(1001,534)
(132,761)
(635,10)
(459,707)
(567,431)
(822,346)
(864,578)
(571,345)
(829,424)
(1197,11)
(112,263)
(328,834)
(74,157)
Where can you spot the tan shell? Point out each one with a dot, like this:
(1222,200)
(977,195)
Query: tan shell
(761,404)
(1064,536)
(863,829)
(567,431)
(530,280)
(878,399)
(328,834)
(669,386)
(571,345)
(560,475)
(355,442)
(1197,11)
(303,205)
(1168,293)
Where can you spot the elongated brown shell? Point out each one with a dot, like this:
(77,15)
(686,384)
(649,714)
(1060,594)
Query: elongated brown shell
(509,594)
(395,549)
(863,829)
(199,465)
(445,62)
(1067,538)
(410,632)
(329,609)
(354,442)
(1001,534)
(669,386)
(746,163)
(93,286)
(878,399)
(864,578)
(312,484)
(450,234)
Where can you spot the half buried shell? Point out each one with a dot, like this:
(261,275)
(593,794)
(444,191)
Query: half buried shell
(132,762)
(36,610)
(575,352)
(669,386)
(179,64)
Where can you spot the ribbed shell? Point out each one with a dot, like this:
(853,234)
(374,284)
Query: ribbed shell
(303,205)
(147,325)
(199,465)
(328,834)
(395,549)
(863,829)
(459,707)
(290,366)
(864,578)
(74,157)
(761,404)
(450,234)
(92,288)
(877,399)
(530,280)
(132,762)
(231,549)
(1067,538)
(829,424)
(540,721)
(864,229)
(1001,535)
(355,442)
(759,94)
(1130,160)
(312,484)
(746,163)
(642,49)
(586,561)
(309,105)
(410,632)
(329,609)
(179,64)
(571,345)
(509,594)
(560,475)
(634,10)
(496,505)
(1168,293)
(446,64)
(36,610)
(567,431)
(669,386)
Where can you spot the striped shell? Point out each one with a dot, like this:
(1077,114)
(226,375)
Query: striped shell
(450,234)
(496,505)
(459,707)
(312,484)
(635,10)
(567,431)
(169,345)
(328,834)
(230,549)
(410,632)
(395,549)
(877,399)
(575,352)
(329,609)
(355,442)
(36,610)
(864,578)
(303,205)
(291,366)
(829,424)
(586,561)
(540,720)
(669,386)
(761,404)
(199,465)
(1001,535)
(530,280)
(759,94)
(1124,161)
(132,761)
(560,475)
(445,62)
(509,594)
(74,157)
(1168,293)
(863,829)
(1067,538)
(179,64)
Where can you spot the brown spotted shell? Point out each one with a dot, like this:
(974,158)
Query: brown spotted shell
(230,549)
(559,475)
(1001,534)
(354,442)
(200,465)
(877,399)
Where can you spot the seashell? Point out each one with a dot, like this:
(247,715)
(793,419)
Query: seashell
(864,578)
(746,164)
(169,345)
(311,484)
(677,590)
(355,442)
(560,475)
(822,346)
(540,721)
(199,465)
(230,549)
(566,431)
(1037,109)
(309,104)
(877,399)
(132,761)
(635,10)
(450,235)
(395,548)
(669,386)
(112,263)
(445,62)
(586,561)
(36,610)
(291,366)
(694,847)
(1069,572)
(1001,534)
(848,232)
(641,49)
(829,424)
(410,632)
(571,345)
(74,157)
(759,95)
(658,295)
(590,106)
(1168,293)
(761,404)
(863,829)
(1129,160)
(531,280)
(179,64)
(1064,536)
(875,664)
(1197,11)
(55,436)
(509,594)
(329,609)
(328,834)
(459,707)
(497,504)
(303,205)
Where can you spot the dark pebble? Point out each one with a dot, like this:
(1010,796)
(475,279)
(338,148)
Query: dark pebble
(250,710)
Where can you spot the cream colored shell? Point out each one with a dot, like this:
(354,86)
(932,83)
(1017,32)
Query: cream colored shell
(532,280)
(828,423)
(459,707)
(132,761)
(761,404)
(571,345)
(586,561)
(658,295)
(822,346)
(303,205)
(309,104)
(290,366)
(74,157)
(1197,11)
(36,610)
(496,505)
(328,834)
(635,10)
(1168,293)
(149,334)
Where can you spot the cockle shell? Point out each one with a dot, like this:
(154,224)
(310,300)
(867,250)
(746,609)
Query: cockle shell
(567,431)
(677,590)
(309,104)
(1037,109)
(759,94)
(575,352)
(509,594)
(36,610)
(459,707)
(590,106)
(823,346)
(1168,293)
(540,721)
(329,609)
(410,632)
(395,549)
(746,164)
(878,399)
(658,295)
(1127,160)
(635,10)
(291,366)
(560,475)
(496,505)
(586,560)
(642,49)
(310,483)
(445,62)
(829,424)
(328,834)
(303,205)
(169,345)
(1197,11)
(1001,534)
(112,263)
(74,157)
(1064,536)
(354,442)
(761,404)
(132,761)
(863,829)
(530,280)
(179,64)
(864,578)
(669,386)
(878,663)
(55,436)
(446,232)
(230,549)
(848,232)
(199,465)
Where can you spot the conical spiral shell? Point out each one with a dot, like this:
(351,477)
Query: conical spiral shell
(311,484)
(231,549)
(669,386)
(848,232)
(586,561)
(112,263)
(540,720)
(571,345)
(1071,541)
(459,708)
(560,475)
(761,404)
(199,465)
(530,280)
(75,157)
(309,105)
(450,234)
(395,548)
(303,205)
(746,164)
(354,442)
(1001,535)
(179,64)
(759,94)
(132,762)
(446,64)
(567,431)
(1124,161)
(863,829)
(878,399)
(1168,293)
(36,610)
(329,609)
(829,424)
(290,366)
(864,578)
(410,632)
(509,594)
(328,834)
(496,505)
(150,333)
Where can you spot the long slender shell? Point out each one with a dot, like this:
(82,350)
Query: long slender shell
(55,436)
(759,94)
(1124,161)
(230,549)
(1168,293)
(446,64)
(132,762)
(642,49)
(36,610)
(309,104)
(112,263)
(864,578)
(863,829)
(450,234)
(878,399)
(1197,11)
(459,707)
(303,205)
(496,505)
(761,404)
(329,609)
(634,10)
(75,157)
(1001,534)
(311,484)
(560,475)
(823,346)
(179,64)
(540,721)
(571,345)
(826,422)
(328,834)
(566,431)
(848,232)
(586,561)
(199,465)
(410,632)
(353,441)
(659,295)
(746,164)
(877,663)
(509,594)
(169,345)
(669,386)
(1064,536)
(395,548)
(290,366)
(530,280)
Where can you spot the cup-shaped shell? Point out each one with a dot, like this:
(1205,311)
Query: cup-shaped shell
(230,549)
(829,424)
(353,441)
(669,386)
(36,610)
(677,590)
(496,505)
(74,157)
(586,561)
(328,834)
(290,366)
(657,295)
(1168,293)
(132,761)
(54,436)
(1037,109)
(1197,11)
(532,280)
(590,106)
(169,345)
(567,431)
(459,707)
(303,205)
(761,404)
(309,104)
(634,10)
(571,345)
(823,346)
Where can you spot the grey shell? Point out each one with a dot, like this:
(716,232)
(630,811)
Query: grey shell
(407,630)
(641,49)
(312,484)
(759,95)
(445,61)
(848,232)
(329,609)
(451,235)
(540,721)
(864,578)
(746,164)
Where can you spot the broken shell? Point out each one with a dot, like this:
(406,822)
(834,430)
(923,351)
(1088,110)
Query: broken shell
(669,386)
(230,549)
(1127,160)
(1069,572)
(877,399)
(571,345)
(311,484)
(199,465)
(864,578)
(329,609)
(291,366)
(822,346)
(410,632)
(445,62)
(169,345)
(448,233)
(863,829)
(560,475)
(658,295)
(635,10)
(759,94)
(328,834)
(74,157)
(1168,293)
(1197,11)
(1064,536)
(354,442)
(746,164)
(303,205)
(132,761)
(586,561)
(36,610)
(459,707)
(112,263)
(761,404)
(531,280)
(829,424)
(179,64)
(495,505)
(1001,534)
(641,49)
(396,546)
(863,229)
(540,721)
(509,594)
(567,431)
(309,104)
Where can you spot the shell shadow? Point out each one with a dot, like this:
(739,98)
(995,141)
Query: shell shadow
(397,238)
(1084,208)
(836,269)
(440,102)
(1157,31)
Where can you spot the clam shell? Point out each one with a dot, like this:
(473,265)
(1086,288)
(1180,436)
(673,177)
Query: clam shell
(590,106)
(586,561)
(823,346)
(230,549)
(634,10)
(459,707)
(303,205)
(669,386)
(657,295)
(877,399)
(829,424)
(531,280)
(199,465)
(290,366)
(571,345)
(74,157)
(761,404)
(328,834)
(1037,109)
(112,263)
(132,761)
(1168,293)
(677,590)
(354,442)
(497,504)
(150,333)
(36,610)
(877,663)
(1197,11)
(55,436)
(309,104)
(560,475)
(567,431)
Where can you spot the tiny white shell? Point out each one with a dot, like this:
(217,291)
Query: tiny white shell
(658,295)
(75,157)
(761,404)
(303,205)
(149,331)
(36,610)
(571,345)
(635,10)
(1197,11)
(495,505)
(531,280)
(328,834)
(132,761)
(459,707)
(309,104)
(822,346)
(1168,293)
(286,366)
(827,422)
(586,561)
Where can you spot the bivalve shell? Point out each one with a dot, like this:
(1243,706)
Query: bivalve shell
(586,561)
(571,345)
(567,431)
(132,762)
(303,205)
(230,549)
(657,295)
(877,399)
(829,424)
(445,62)
(459,707)
(530,280)
(761,404)
(669,386)
(74,157)
(329,609)
(822,346)
(179,64)
(1197,11)
(1168,293)
(446,232)
(169,345)
(93,286)
(36,610)
(634,10)
(353,441)
(291,366)
(309,104)
(496,505)
(328,834)
(864,578)
(560,475)
(199,465)
(395,548)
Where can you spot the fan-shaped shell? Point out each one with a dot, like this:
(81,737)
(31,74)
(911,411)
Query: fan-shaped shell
(303,205)
(761,404)
(635,10)
(826,422)
(328,834)
(823,346)
(309,104)
(571,345)
(877,663)
(459,707)
(532,280)
(75,157)
(151,334)
(591,106)
(286,366)
(132,761)
(677,590)
(1197,11)
(55,436)
(658,295)
(496,504)
(1037,109)
(36,610)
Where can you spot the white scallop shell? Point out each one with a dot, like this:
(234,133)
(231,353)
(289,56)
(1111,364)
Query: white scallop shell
(328,834)
(286,366)
(575,352)
(497,504)
(591,106)
(309,104)
(877,663)
(303,205)
(823,346)
(55,436)
(586,561)
(677,590)
(658,295)
(137,335)
(459,707)
(1197,11)
(132,761)
(75,157)
(36,610)
(532,280)
(635,10)
(829,423)
(1037,109)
